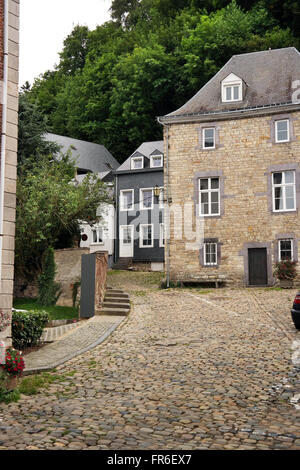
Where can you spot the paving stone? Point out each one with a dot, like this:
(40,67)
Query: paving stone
(177,374)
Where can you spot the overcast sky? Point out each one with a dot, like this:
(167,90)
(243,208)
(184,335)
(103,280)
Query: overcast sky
(44,24)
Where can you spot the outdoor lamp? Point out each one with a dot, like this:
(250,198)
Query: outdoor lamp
(156,191)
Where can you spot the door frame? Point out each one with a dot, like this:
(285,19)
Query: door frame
(244,253)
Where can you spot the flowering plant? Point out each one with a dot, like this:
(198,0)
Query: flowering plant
(14,363)
(286,269)
(4,320)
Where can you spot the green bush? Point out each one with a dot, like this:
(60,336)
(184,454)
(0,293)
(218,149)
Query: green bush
(49,290)
(27,328)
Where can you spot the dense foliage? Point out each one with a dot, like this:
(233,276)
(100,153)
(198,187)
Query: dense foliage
(14,363)
(48,202)
(111,83)
(27,328)
(286,269)
(49,290)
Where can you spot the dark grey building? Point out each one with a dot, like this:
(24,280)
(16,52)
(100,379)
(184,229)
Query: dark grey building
(139,190)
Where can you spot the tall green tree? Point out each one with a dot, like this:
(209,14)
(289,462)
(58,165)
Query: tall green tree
(31,136)
(153,55)
(48,202)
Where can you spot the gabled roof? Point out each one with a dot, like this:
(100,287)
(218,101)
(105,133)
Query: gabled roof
(146,149)
(137,154)
(268,77)
(156,152)
(87,155)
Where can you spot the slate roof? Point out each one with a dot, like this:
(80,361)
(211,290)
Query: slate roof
(145,149)
(268,76)
(87,155)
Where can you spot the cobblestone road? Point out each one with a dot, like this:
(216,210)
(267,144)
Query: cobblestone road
(189,369)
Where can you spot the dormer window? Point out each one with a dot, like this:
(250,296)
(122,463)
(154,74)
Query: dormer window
(156,161)
(137,163)
(232,89)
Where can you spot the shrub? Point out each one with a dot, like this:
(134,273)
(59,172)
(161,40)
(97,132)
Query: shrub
(286,269)
(49,290)
(27,328)
(4,320)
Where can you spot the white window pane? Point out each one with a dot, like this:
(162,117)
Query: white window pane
(289,177)
(157,161)
(277,178)
(290,203)
(282,130)
(215,183)
(137,163)
(147,198)
(214,208)
(209,137)
(215,196)
(127,199)
(285,249)
(228,93)
(203,184)
(236,92)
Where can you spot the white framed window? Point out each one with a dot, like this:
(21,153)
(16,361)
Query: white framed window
(284,191)
(161,197)
(156,161)
(210,254)
(285,249)
(146,198)
(232,88)
(232,92)
(126,199)
(146,236)
(282,131)
(209,196)
(208,138)
(97,235)
(162,235)
(137,163)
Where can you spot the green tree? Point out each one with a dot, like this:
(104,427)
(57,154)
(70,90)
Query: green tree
(49,290)
(32,129)
(48,202)
(73,55)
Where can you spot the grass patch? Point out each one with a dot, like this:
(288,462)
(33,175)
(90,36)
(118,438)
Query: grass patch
(54,312)
(30,385)
(140,293)
(136,278)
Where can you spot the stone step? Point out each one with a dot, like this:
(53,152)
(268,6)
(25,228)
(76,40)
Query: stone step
(113,311)
(115,291)
(115,305)
(117,300)
(119,295)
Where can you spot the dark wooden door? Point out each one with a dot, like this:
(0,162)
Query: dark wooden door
(258,270)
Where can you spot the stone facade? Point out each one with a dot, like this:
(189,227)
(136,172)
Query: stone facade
(6,284)
(244,161)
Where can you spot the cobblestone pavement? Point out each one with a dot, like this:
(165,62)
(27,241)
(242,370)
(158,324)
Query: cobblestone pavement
(188,369)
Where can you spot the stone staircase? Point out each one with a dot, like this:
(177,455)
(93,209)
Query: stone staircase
(123,264)
(116,302)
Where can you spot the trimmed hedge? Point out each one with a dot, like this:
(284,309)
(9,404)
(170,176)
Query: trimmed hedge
(27,328)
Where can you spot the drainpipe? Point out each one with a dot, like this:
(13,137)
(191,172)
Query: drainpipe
(116,221)
(3,133)
(167,199)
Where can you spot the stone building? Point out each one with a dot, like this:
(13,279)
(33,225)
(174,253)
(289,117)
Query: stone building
(233,154)
(9,59)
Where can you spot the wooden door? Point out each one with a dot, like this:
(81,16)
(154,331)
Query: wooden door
(258,268)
